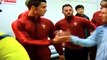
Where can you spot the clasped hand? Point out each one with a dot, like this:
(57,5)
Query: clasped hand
(62,37)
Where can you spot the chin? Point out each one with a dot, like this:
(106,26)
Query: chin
(42,14)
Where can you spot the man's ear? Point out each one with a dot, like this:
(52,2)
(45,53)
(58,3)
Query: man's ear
(33,7)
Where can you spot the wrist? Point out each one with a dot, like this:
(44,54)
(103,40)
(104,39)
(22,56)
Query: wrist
(51,42)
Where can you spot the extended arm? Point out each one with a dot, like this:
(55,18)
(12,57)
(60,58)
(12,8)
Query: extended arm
(24,38)
(90,41)
(58,47)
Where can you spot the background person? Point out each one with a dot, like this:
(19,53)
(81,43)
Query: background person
(76,26)
(98,38)
(97,20)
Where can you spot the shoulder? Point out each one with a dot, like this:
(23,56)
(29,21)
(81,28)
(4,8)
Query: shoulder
(18,22)
(19,51)
(97,12)
(99,28)
(46,20)
(85,16)
(61,21)
(23,14)
(80,18)
(77,17)
(21,20)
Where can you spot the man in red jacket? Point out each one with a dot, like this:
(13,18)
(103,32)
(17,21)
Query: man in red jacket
(96,17)
(76,26)
(33,31)
(97,21)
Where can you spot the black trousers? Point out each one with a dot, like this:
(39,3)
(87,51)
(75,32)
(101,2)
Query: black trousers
(75,54)
(92,51)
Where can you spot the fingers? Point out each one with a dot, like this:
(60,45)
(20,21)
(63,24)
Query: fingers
(63,33)
(62,36)
(64,39)
(61,39)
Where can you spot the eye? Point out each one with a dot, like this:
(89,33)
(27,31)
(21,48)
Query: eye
(66,10)
(44,7)
(70,10)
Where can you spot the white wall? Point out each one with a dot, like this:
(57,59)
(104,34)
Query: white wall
(99,4)
(11,11)
(55,13)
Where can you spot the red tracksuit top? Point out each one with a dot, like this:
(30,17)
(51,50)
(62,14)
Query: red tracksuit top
(97,19)
(33,35)
(76,26)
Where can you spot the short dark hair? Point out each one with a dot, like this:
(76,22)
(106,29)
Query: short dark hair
(103,1)
(66,5)
(79,6)
(36,3)
(26,2)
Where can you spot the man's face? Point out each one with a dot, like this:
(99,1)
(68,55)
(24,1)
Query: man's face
(67,11)
(80,11)
(41,9)
(103,15)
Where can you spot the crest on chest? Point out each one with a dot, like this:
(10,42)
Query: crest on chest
(43,26)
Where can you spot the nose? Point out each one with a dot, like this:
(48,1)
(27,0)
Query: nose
(45,10)
(69,11)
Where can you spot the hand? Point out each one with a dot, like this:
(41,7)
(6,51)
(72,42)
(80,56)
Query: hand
(61,57)
(63,33)
(61,37)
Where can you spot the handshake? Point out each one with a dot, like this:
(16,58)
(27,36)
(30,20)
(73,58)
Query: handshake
(61,37)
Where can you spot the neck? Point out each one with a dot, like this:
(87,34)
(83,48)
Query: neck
(68,18)
(78,14)
(32,14)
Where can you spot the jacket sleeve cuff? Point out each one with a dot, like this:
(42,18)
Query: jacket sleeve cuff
(51,42)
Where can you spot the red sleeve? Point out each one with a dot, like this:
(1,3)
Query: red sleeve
(24,38)
(93,19)
(58,47)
